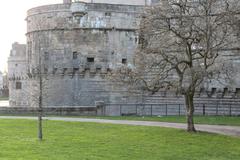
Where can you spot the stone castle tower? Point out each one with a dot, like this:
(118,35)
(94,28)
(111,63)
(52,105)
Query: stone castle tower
(77,43)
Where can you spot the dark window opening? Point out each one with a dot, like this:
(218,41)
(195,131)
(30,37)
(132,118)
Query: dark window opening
(108,14)
(90,60)
(16,65)
(75,55)
(214,90)
(124,61)
(18,85)
(237,92)
(225,92)
(75,70)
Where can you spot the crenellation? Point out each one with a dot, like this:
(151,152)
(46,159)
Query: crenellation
(79,44)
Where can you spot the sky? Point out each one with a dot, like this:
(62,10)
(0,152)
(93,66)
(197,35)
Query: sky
(13,25)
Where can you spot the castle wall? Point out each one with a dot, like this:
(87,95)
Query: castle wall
(75,45)
(17,74)
(126,2)
(78,44)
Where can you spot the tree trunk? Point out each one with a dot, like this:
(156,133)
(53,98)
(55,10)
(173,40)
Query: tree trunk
(190,111)
(40,136)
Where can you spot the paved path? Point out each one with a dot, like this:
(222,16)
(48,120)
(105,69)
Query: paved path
(224,130)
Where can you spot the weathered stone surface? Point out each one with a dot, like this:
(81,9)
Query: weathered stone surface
(78,44)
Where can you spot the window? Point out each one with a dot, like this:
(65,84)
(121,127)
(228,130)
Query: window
(124,61)
(75,70)
(90,60)
(237,92)
(46,56)
(18,85)
(225,91)
(108,14)
(75,55)
(214,90)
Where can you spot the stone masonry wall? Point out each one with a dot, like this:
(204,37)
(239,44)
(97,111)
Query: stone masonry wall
(76,45)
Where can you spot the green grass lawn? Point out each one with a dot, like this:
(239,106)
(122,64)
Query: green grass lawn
(212,120)
(90,141)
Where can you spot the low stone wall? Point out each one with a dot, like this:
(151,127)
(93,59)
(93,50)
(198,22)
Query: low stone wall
(61,111)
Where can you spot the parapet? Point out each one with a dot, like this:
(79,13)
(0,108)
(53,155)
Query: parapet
(67,1)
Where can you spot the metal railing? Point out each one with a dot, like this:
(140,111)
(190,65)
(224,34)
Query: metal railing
(167,109)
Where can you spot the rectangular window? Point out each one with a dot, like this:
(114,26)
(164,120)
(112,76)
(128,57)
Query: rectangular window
(75,70)
(75,55)
(90,60)
(214,90)
(124,61)
(108,14)
(18,85)
(237,92)
(46,56)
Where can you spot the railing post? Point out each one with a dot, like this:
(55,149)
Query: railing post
(166,109)
(204,109)
(120,110)
(217,110)
(230,110)
(151,110)
(179,110)
(136,109)
(144,112)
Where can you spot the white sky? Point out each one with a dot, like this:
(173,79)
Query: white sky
(13,25)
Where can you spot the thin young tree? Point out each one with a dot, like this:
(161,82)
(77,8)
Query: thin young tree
(38,78)
(180,46)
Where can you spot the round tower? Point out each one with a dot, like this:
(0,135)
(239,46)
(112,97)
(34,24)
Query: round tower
(78,43)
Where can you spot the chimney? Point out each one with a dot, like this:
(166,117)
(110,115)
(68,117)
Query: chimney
(67,1)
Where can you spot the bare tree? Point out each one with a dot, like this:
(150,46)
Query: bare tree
(180,46)
(38,77)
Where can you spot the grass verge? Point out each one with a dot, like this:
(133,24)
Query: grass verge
(90,141)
